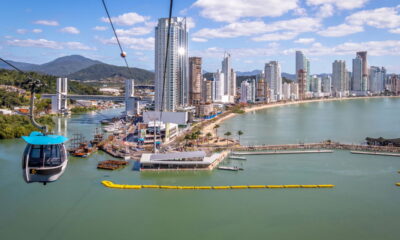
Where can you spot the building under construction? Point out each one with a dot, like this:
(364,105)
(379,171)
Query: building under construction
(302,80)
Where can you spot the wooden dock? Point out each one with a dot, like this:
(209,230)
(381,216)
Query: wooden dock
(283,152)
(377,153)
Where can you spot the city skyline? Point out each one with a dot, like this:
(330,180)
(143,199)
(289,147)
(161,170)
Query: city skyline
(324,30)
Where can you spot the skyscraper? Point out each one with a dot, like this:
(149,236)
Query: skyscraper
(176,89)
(274,79)
(229,77)
(377,78)
(301,79)
(357,79)
(219,80)
(303,63)
(229,85)
(248,91)
(195,78)
(339,76)
(363,56)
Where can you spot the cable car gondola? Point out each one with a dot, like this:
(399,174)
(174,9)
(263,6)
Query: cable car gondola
(45,157)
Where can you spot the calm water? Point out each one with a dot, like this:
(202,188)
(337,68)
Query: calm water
(364,205)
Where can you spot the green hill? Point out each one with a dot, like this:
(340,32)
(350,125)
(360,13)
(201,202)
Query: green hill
(14,78)
(105,71)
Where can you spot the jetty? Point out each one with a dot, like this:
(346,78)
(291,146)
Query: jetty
(377,153)
(283,152)
(228,168)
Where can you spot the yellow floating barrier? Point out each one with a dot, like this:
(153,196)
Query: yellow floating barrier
(132,186)
(203,187)
(256,186)
(239,187)
(309,186)
(326,186)
(110,184)
(398,184)
(168,187)
(221,187)
(292,186)
(150,186)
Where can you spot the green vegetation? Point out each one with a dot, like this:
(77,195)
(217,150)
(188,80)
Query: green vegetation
(14,78)
(78,110)
(15,126)
(227,134)
(239,133)
(237,109)
(12,99)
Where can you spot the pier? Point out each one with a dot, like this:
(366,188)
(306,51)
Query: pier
(283,152)
(377,153)
(328,145)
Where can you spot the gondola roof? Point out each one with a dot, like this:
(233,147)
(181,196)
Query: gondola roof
(37,138)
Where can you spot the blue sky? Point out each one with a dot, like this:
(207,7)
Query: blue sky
(254,31)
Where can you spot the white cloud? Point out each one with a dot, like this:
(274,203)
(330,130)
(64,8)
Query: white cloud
(44,43)
(127,19)
(71,30)
(302,12)
(214,52)
(22,31)
(340,30)
(37,30)
(276,36)
(100,28)
(135,31)
(47,22)
(134,43)
(232,10)
(190,23)
(305,40)
(77,46)
(374,48)
(379,18)
(396,31)
(249,28)
(325,11)
(195,39)
(341,4)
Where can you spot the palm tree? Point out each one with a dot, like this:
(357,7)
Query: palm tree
(216,126)
(239,134)
(227,134)
(208,135)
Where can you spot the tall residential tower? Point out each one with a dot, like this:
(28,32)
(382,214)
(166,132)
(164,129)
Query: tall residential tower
(176,89)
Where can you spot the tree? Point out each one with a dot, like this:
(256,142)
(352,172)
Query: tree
(227,134)
(216,126)
(208,135)
(239,133)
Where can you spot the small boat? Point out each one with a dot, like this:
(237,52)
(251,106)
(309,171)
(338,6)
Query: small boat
(234,168)
(237,157)
(80,154)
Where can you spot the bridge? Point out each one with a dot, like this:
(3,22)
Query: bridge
(59,100)
(90,97)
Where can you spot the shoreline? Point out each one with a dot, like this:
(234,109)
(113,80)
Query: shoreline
(209,128)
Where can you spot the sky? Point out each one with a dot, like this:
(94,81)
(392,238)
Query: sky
(253,31)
